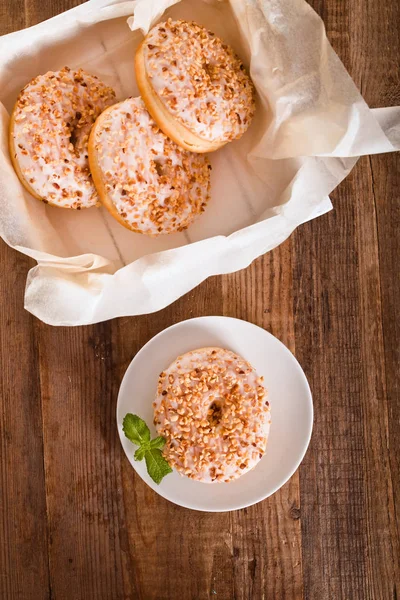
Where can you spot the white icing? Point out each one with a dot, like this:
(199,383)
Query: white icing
(200,80)
(156,186)
(50,109)
(175,384)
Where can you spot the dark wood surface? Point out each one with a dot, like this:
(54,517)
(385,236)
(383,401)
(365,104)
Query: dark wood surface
(75,521)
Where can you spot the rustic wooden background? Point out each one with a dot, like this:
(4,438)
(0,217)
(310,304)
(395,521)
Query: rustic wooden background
(75,521)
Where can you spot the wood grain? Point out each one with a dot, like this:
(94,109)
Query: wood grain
(77,523)
(82,461)
(24,569)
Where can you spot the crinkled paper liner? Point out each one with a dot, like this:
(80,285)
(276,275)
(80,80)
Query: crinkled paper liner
(311,125)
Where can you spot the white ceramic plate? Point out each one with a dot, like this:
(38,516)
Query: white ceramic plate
(288,393)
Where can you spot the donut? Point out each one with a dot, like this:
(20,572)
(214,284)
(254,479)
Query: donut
(212,410)
(147,182)
(194,86)
(49,131)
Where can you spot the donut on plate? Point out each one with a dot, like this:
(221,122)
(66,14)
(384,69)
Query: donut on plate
(147,182)
(211,407)
(194,86)
(49,132)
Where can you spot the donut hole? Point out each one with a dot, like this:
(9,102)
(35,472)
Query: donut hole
(158,167)
(209,69)
(214,413)
(73,138)
(74,127)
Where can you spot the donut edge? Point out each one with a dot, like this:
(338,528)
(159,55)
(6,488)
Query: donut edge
(177,132)
(14,161)
(204,349)
(98,180)
(20,175)
(96,172)
(219,349)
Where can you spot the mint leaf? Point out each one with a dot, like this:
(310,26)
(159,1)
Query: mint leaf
(158,442)
(135,429)
(157,466)
(138,433)
(140,452)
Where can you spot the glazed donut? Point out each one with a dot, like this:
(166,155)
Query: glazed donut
(211,408)
(147,182)
(194,86)
(49,133)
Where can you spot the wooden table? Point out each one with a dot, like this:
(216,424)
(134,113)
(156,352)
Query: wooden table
(76,523)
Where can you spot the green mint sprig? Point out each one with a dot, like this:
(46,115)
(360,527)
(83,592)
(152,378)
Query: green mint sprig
(138,433)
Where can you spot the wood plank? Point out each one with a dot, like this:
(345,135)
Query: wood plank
(385,181)
(380,86)
(23,531)
(36,11)
(12,16)
(82,461)
(383,542)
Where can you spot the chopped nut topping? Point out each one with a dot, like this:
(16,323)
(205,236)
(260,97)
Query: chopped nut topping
(207,89)
(159,187)
(53,119)
(215,430)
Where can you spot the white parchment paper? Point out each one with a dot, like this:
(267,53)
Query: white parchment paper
(310,127)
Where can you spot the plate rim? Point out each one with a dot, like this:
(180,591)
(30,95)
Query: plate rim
(309,395)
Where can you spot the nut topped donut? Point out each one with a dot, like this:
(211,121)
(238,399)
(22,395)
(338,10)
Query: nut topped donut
(147,182)
(194,86)
(49,133)
(211,408)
